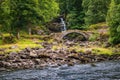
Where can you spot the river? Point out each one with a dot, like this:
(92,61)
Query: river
(109,70)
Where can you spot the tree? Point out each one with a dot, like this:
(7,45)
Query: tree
(113,20)
(95,11)
(21,14)
(5,18)
(49,9)
(73,11)
(76,15)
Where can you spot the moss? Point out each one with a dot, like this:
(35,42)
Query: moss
(93,37)
(1,42)
(9,40)
(21,44)
(98,26)
(102,51)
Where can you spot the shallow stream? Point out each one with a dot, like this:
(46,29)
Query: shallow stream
(100,71)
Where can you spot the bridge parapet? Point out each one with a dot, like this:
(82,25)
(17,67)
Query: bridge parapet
(60,36)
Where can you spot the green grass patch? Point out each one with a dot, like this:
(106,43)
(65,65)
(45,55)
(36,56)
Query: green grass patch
(102,51)
(1,42)
(98,26)
(32,36)
(20,45)
(93,37)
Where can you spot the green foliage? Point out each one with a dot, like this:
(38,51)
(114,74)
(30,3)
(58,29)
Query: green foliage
(98,26)
(95,11)
(9,39)
(102,51)
(94,37)
(16,15)
(73,13)
(113,20)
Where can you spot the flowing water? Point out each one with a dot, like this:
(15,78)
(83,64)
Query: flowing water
(102,71)
(63,25)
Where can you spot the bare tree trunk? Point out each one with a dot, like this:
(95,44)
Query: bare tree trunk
(29,28)
(18,35)
(30,31)
(2,36)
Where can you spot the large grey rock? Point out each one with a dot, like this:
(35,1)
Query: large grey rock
(33,54)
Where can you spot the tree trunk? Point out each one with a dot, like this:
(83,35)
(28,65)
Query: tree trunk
(18,35)
(2,36)
(29,28)
(30,31)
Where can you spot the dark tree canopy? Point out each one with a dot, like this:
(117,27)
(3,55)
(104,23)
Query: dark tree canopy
(113,20)
(95,11)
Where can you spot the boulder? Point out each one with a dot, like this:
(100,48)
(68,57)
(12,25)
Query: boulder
(12,56)
(33,54)
(28,49)
(88,51)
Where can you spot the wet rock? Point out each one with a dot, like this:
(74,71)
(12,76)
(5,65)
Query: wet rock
(27,64)
(6,64)
(2,69)
(93,64)
(70,64)
(74,56)
(88,51)
(24,56)
(16,60)
(54,65)
(49,51)
(43,56)
(14,66)
(118,58)
(12,56)
(43,65)
(33,54)
(28,49)
(37,61)
(99,59)
(58,58)
(1,64)
(2,56)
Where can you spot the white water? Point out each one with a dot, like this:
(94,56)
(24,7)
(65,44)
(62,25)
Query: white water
(63,25)
(103,71)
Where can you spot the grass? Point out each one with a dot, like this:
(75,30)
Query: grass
(97,50)
(94,49)
(93,37)
(0,42)
(21,44)
(98,26)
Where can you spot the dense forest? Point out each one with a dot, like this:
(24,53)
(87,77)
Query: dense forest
(22,15)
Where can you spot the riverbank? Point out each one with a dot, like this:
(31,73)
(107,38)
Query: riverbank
(47,56)
(107,70)
(44,51)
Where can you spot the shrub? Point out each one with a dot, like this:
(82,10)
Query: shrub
(113,20)
(94,37)
(9,39)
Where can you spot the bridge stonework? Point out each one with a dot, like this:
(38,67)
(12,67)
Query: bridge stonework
(60,36)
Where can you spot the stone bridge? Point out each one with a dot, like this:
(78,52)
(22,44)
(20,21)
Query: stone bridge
(60,36)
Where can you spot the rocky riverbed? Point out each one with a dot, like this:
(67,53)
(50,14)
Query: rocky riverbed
(45,57)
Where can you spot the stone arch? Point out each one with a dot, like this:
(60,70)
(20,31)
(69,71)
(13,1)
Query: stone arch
(85,36)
